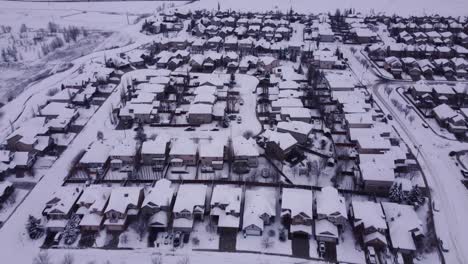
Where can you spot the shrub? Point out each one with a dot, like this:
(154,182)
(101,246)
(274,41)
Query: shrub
(52,92)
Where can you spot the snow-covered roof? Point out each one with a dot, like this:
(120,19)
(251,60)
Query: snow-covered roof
(200,109)
(213,149)
(126,148)
(30,129)
(95,197)
(377,167)
(402,221)
(160,195)
(97,153)
(122,197)
(226,195)
(244,147)
(258,201)
(370,214)
(157,146)
(330,202)
(189,196)
(287,102)
(283,140)
(296,127)
(325,228)
(444,112)
(183,146)
(288,85)
(297,201)
(63,199)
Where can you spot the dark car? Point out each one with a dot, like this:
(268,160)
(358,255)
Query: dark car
(177,238)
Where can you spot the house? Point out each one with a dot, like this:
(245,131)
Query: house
(154,152)
(183,152)
(91,206)
(299,130)
(60,207)
(225,207)
(259,210)
(64,96)
(200,114)
(278,145)
(296,211)
(96,159)
(377,172)
(296,114)
(359,120)
(122,155)
(189,206)
(245,152)
(124,206)
(330,205)
(404,226)
(326,231)
(157,205)
(212,155)
(448,118)
(369,223)
(25,137)
(393,65)
(377,51)
(62,204)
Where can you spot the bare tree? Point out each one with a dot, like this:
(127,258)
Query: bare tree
(157,260)
(42,258)
(184,260)
(267,242)
(68,259)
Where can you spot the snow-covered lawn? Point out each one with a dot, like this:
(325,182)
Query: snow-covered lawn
(265,243)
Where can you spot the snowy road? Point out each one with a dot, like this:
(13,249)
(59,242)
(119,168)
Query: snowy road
(432,151)
(442,175)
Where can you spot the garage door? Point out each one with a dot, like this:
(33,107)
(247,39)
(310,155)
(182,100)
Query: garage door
(253,232)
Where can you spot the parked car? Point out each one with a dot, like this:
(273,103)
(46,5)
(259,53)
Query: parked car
(425,125)
(239,120)
(177,238)
(371,256)
(167,239)
(322,248)
(57,238)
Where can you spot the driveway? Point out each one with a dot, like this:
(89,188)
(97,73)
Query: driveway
(300,246)
(227,241)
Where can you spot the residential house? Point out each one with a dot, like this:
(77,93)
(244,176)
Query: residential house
(91,207)
(124,206)
(189,206)
(157,205)
(369,223)
(296,211)
(183,152)
(225,207)
(259,210)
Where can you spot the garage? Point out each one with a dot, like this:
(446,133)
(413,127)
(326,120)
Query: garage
(252,230)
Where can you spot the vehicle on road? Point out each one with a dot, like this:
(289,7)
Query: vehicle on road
(425,125)
(177,238)
(371,256)
(239,120)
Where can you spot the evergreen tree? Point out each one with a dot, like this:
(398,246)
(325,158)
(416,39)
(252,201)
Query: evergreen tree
(396,194)
(34,228)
